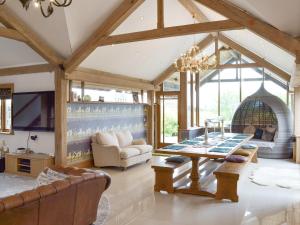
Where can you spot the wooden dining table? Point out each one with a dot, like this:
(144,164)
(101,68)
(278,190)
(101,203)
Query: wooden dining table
(218,147)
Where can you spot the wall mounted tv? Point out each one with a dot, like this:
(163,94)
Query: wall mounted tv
(33,111)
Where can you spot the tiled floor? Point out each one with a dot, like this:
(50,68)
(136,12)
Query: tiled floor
(133,202)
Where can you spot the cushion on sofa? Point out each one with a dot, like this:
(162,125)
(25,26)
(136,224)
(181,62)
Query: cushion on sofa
(139,142)
(107,138)
(268,134)
(126,153)
(48,176)
(142,148)
(242,152)
(236,159)
(249,130)
(124,138)
(258,133)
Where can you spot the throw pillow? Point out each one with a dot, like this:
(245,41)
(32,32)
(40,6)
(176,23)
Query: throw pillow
(249,130)
(176,159)
(236,159)
(48,176)
(258,133)
(242,152)
(124,138)
(268,136)
(107,138)
(248,146)
(271,129)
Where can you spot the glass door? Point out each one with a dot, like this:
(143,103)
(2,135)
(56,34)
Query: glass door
(167,120)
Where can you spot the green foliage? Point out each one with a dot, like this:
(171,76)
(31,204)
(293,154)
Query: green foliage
(171,126)
(229,103)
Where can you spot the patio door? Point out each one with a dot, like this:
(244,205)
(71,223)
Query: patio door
(167,111)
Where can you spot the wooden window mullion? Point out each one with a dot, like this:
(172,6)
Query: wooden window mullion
(3,117)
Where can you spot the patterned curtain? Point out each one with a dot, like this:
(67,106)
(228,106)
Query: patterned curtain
(5,93)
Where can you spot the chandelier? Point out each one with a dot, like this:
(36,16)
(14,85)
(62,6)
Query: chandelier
(46,6)
(190,62)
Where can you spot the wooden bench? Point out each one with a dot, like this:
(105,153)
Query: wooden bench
(228,175)
(166,174)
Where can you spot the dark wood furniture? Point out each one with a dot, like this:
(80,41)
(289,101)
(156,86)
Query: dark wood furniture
(2,165)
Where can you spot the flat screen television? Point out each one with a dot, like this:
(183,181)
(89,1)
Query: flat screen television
(33,111)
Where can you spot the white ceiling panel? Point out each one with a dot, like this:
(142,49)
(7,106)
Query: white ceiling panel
(14,53)
(145,60)
(52,30)
(263,48)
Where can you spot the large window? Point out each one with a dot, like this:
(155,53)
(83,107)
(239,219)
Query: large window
(209,100)
(229,94)
(89,92)
(222,91)
(6,91)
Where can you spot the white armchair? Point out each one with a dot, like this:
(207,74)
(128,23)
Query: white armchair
(119,149)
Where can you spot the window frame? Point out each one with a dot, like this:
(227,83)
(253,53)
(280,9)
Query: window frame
(3,129)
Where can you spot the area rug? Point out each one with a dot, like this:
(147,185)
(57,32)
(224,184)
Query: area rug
(269,176)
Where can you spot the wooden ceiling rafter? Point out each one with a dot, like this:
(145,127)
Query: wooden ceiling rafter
(119,15)
(106,78)
(190,6)
(21,70)
(10,20)
(254,24)
(194,10)
(160,14)
(175,31)
(12,34)
(251,55)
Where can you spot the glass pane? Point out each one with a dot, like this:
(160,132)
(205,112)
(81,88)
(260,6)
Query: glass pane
(188,100)
(229,95)
(169,119)
(276,90)
(8,114)
(251,82)
(208,101)
(76,94)
(228,56)
(173,83)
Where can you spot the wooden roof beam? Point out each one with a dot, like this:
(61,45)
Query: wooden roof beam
(35,42)
(11,34)
(21,70)
(171,69)
(171,32)
(254,24)
(262,62)
(190,6)
(233,66)
(106,78)
(160,14)
(104,30)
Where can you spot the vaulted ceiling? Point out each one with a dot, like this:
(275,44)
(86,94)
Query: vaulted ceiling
(68,28)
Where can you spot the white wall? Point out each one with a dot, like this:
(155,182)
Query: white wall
(28,83)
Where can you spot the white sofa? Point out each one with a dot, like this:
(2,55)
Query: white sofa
(119,149)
